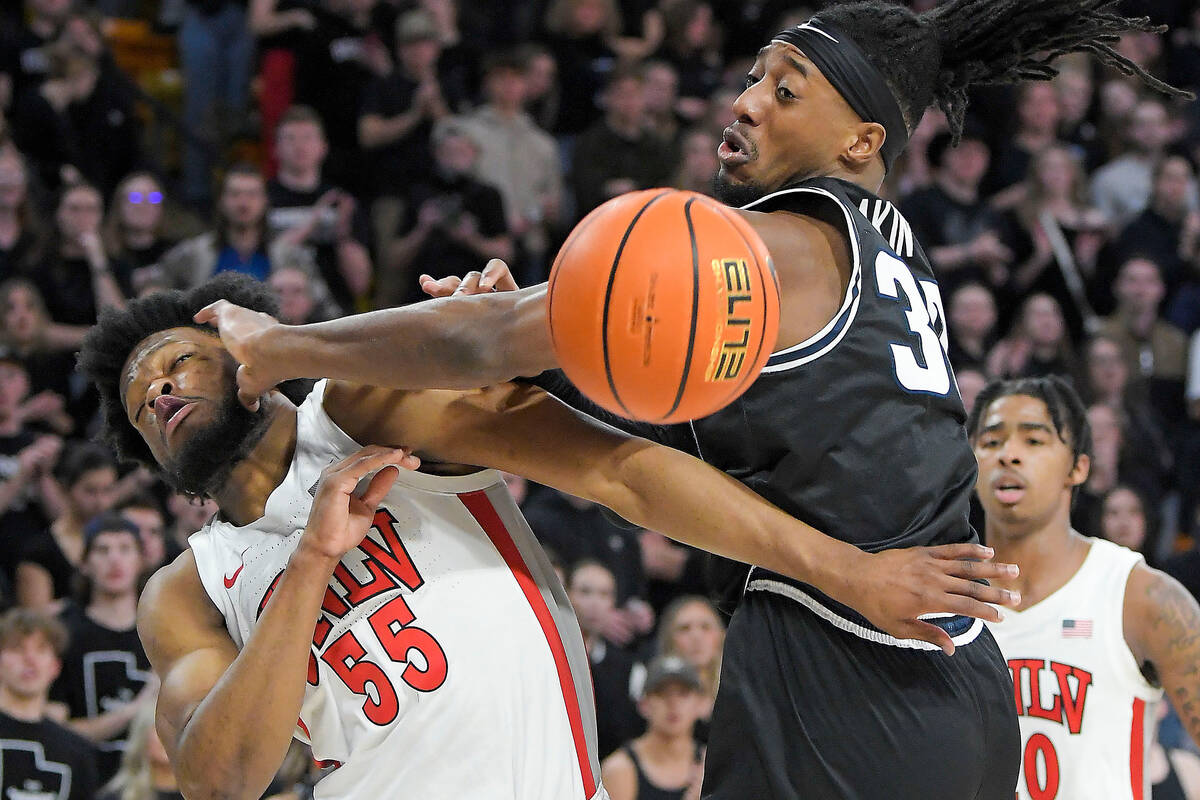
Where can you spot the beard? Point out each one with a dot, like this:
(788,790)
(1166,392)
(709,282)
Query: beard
(204,461)
(734,194)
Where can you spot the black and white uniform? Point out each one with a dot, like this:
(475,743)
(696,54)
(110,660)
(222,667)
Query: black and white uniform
(859,432)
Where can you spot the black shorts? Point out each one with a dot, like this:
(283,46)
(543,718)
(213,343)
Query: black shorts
(815,703)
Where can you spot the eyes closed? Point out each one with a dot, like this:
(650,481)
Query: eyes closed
(174,365)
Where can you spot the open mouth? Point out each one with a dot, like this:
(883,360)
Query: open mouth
(1008,490)
(734,149)
(171,410)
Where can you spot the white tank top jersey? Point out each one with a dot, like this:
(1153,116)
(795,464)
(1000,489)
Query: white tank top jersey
(447,661)
(1086,712)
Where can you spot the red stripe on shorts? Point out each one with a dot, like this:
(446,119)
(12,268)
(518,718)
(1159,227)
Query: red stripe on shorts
(485,514)
(1137,742)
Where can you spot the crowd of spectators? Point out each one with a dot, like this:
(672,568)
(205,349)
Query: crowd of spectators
(339,148)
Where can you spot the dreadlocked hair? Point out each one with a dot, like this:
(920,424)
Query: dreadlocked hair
(1062,401)
(110,341)
(939,55)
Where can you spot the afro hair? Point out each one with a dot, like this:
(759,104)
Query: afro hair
(108,344)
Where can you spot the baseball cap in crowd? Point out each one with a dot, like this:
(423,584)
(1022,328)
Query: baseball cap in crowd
(670,669)
(416,26)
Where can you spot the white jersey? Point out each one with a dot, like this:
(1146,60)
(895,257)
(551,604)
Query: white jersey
(447,661)
(1086,711)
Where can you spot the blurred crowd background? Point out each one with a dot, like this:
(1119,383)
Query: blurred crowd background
(339,148)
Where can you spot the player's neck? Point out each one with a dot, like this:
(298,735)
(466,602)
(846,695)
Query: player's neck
(243,497)
(1048,556)
(26,709)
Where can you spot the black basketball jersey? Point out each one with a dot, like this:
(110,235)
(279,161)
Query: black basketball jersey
(858,431)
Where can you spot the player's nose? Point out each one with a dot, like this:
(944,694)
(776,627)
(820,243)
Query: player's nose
(157,387)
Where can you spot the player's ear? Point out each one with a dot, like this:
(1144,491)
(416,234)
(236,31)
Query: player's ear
(1079,473)
(868,139)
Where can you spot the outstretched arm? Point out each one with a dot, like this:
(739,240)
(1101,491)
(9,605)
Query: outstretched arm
(452,343)
(522,429)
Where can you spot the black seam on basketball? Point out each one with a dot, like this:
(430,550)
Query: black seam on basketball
(762,334)
(572,240)
(687,363)
(612,277)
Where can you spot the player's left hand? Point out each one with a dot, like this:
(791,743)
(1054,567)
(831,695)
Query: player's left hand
(893,588)
(495,277)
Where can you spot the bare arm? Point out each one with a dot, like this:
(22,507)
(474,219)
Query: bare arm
(226,718)
(1162,627)
(522,429)
(619,776)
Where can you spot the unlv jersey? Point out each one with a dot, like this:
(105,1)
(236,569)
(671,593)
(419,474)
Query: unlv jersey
(446,661)
(1086,711)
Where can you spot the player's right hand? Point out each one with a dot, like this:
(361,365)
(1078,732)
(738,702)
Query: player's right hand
(339,519)
(496,277)
(893,588)
(241,331)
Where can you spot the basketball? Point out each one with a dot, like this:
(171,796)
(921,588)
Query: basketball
(663,305)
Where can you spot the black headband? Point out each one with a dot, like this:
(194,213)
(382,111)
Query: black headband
(854,77)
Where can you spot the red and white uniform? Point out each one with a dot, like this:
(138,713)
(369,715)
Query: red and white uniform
(447,661)
(1086,711)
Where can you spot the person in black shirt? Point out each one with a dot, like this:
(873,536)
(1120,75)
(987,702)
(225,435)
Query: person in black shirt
(592,589)
(76,277)
(959,231)
(47,350)
(20,229)
(451,221)
(619,153)
(47,564)
(399,110)
(26,463)
(667,754)
(105,675)
(38,758)
(335,226)
(133,229)
(336,61)
(23,47)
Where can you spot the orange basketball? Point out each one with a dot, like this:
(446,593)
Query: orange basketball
(663,305)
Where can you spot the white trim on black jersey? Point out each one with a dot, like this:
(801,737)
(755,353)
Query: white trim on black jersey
(828,337)
(862,632)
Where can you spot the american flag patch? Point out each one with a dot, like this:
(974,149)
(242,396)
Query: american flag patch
(1076,629)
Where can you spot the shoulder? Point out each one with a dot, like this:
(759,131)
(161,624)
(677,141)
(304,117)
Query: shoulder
(1161,617)
(619,774)
(174,595)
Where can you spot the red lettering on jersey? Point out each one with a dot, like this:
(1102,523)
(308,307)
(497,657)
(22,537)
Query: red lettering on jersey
(1024,671)
(1040,744)
(1067,704)
(1036,708)
(356,592)
(392,556)
(1072,702)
